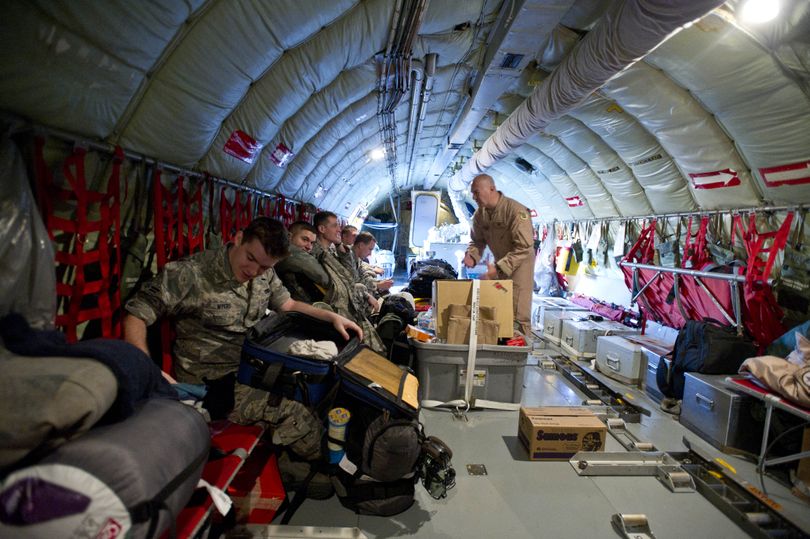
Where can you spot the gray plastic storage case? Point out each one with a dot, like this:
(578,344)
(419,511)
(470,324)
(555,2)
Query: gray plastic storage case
(498,369)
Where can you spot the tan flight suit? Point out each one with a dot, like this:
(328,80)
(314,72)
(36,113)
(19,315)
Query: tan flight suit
(507,230)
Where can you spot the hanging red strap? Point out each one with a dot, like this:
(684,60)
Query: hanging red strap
(642,251)
(226,216)
(762,313)
(289,213)
(695,254)
(194,221)
(267,207)
(180,216)
(243,211)
(278,211)
(109,301)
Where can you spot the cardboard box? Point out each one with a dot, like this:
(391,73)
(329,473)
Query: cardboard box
(257,491)
(497,294)
(559,432)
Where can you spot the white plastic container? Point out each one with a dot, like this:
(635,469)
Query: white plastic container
(442,370)
(578,338)
(620,359)
(553,321)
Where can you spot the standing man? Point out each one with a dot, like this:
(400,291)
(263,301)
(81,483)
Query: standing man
(504,225)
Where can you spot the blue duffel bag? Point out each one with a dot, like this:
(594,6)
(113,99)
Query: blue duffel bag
(265,363)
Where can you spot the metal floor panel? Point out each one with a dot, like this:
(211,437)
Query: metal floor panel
(523,499)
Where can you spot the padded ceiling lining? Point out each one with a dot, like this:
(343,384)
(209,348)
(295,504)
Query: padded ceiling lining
(764,112)
(174,79)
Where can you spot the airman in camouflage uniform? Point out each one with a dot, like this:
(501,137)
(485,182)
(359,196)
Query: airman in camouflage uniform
(301,273)
(215,296)
(346,295)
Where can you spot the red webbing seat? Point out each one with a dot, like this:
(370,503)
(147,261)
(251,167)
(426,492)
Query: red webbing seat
(237,442)
(79,284)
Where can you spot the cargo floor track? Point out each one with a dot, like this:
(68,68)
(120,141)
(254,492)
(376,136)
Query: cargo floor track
(519,499)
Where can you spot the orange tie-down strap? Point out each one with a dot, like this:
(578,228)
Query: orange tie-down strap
(237,442)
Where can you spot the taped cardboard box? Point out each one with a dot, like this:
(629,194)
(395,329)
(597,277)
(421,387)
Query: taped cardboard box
(559,432)
(497,294)
(459,321)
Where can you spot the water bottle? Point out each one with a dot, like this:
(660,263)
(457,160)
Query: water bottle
(338,421)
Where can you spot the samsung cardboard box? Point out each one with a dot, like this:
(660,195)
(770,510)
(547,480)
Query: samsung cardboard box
(496,294)
(559,432)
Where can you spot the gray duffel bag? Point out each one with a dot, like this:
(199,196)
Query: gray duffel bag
(128,479)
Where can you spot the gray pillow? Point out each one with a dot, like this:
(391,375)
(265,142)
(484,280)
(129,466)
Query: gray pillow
(46,401)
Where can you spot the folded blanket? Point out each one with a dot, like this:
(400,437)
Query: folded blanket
(779,375)
(137,375)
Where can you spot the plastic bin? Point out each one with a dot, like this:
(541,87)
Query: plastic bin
(498,371)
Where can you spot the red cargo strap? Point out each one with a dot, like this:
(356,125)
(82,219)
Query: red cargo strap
(72,296)
(167,248)
(763,314)
(167,241)
(244,211)
(194,221)
(227,215)
(695,252)
(642,251)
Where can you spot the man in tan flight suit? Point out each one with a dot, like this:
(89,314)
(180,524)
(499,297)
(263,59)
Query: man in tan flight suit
(504,225)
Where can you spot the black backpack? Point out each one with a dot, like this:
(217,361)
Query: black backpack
(382,453)
(706,347)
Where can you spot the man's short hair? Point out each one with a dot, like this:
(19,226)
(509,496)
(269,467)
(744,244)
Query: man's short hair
(346,229)
(364,238)
(298,226)
(322,217)
(270,233)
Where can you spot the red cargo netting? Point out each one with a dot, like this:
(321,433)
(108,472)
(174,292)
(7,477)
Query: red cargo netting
(85,227)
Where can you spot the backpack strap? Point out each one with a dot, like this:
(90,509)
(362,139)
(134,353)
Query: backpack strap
(377,491)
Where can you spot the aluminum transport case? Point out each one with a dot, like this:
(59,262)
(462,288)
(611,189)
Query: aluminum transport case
(651,382)
(548,304)
(578,338)
(620,359)
(552,323)
(720,415)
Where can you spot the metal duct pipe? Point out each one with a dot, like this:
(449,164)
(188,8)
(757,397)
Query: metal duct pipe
(416,90)
(626,33)
(425,91)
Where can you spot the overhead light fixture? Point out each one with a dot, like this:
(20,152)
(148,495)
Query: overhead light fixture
(760,11)
(377,154)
